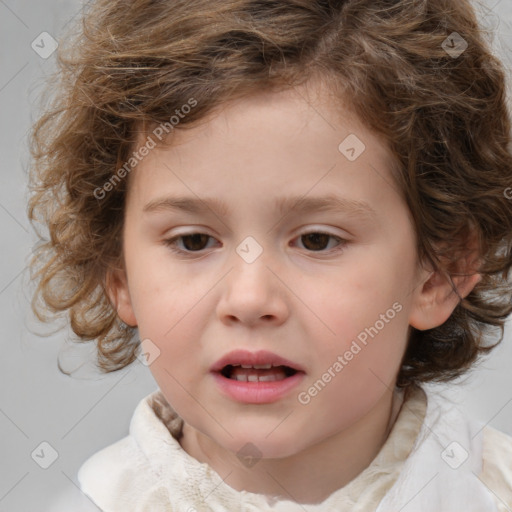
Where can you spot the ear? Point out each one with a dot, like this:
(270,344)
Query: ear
(435,299)
(119,294)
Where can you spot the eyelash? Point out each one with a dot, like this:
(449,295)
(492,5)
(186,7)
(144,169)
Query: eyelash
(171,243)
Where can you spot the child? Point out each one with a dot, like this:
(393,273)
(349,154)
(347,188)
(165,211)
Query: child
(289,372)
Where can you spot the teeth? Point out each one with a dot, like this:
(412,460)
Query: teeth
(267,378)
(257,374)
(255,378)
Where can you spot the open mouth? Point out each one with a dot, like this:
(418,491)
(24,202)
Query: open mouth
(257,373)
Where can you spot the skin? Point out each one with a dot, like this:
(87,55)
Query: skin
(304,304)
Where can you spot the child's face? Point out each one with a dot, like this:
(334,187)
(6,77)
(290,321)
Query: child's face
(304,298)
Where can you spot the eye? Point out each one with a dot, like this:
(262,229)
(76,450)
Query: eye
(318,241)
(315,241)
(192,242)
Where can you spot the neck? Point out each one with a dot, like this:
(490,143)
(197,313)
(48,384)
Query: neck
(310,476)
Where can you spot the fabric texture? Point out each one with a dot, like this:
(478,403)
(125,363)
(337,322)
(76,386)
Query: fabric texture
(434,460)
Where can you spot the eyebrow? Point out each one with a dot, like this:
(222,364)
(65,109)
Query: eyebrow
(328,203)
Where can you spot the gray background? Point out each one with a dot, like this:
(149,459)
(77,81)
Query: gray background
(78,416)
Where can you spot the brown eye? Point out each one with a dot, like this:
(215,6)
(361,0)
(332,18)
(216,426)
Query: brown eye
(315,241)
(195,242)
(322,243)
(190,243)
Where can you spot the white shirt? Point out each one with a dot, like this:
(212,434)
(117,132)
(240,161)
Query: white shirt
(434,460)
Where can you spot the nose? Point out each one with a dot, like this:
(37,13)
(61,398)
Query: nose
(252,294)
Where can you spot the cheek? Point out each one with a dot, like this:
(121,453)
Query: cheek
(363,318)
(355,299)
(160,293)
(174,325)
(171,310)
(169,322)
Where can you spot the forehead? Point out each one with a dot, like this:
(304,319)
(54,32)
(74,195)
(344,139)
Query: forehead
(288,139)
(314,105)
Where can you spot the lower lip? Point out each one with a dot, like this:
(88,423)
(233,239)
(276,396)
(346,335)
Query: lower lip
(257,392)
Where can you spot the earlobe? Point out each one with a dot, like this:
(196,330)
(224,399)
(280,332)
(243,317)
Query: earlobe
(436,300)
(119,295)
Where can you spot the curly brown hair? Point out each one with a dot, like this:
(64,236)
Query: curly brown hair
(444,116)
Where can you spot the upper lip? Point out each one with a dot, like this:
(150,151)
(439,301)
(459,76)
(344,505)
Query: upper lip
(245,357)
